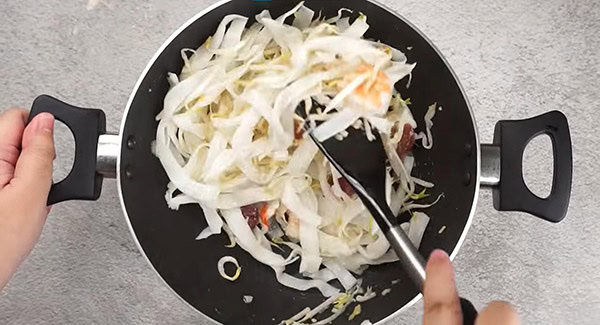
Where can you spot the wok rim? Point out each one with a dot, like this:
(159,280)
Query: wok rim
(199,15)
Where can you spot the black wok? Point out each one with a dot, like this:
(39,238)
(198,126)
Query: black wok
(458,165)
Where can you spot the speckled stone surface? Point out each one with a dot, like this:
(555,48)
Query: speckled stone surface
(515,59)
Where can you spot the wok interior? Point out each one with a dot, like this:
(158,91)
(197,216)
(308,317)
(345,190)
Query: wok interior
(190,267)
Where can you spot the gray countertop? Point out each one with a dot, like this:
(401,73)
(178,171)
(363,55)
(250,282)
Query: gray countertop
(515,59)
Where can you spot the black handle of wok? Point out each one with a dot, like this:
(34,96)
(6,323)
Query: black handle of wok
(83,182)
(469,312)
(511,194)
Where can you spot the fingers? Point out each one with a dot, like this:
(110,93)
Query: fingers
(442,305)
(23,199)
(33,171)
(12,124)
(498,313)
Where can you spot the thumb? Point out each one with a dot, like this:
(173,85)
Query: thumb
(441,302)
(33,172)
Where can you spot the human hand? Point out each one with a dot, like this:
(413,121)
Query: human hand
(26,156)
(442,305)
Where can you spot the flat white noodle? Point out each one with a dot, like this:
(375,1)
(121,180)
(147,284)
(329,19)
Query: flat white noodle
(343,24)
(358,28)
(303,285)
(339,122)
(303,17)
(346,278)
(291,200)
(418,224)
(301,158)
(309,235)
(324,274)
(215,223)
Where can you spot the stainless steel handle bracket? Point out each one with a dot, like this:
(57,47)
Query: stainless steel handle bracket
(490,165)
(109,148)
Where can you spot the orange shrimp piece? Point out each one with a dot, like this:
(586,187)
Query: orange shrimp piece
(369,94)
